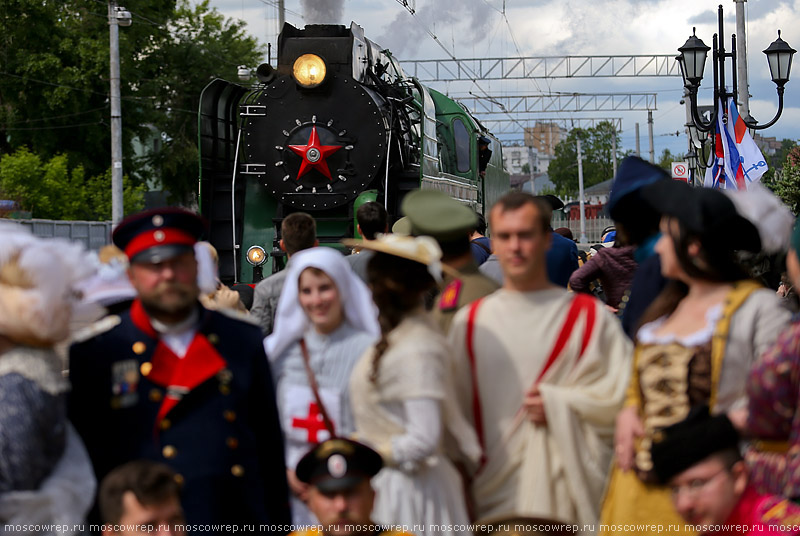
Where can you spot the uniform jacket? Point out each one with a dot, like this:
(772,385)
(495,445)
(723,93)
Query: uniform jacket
(218,429)
(456,293)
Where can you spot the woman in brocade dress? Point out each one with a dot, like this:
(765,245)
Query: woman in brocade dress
(402,397)
(698,340)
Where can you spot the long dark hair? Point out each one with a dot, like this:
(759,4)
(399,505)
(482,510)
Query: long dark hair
(716,262)
(398,286)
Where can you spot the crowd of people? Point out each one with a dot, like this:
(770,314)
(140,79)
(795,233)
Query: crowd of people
(455,375)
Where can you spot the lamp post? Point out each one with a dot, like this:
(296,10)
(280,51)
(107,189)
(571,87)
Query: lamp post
(692,160)
(692,62)
(117,16)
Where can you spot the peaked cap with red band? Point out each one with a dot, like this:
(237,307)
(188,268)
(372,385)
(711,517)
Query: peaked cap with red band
(156,235)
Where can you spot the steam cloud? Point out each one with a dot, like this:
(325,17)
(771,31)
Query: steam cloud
(471,22)
(322,11)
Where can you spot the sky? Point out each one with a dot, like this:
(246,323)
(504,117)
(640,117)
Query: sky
(506,28)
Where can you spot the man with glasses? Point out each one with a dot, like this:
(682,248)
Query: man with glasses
(699,459)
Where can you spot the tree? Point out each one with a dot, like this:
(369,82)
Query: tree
(667,158)
(52,190)
(526,169)
(54,65)
(597,146)
(787,187)
(776,162)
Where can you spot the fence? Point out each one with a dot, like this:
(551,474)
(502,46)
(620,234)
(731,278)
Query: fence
(594,226)
(93,234)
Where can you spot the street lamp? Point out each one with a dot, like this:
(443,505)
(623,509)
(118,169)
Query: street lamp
(692,160)
(692,62)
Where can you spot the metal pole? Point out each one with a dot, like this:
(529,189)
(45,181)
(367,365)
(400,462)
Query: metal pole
(581,196)
(650,135)
(281,15)
(614,149)
(638,150)
(741,61)
(116,118)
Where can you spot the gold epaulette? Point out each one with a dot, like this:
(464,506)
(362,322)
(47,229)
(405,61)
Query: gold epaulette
(101,326)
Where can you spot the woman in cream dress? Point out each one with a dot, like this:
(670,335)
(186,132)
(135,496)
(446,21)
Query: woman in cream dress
(402,398)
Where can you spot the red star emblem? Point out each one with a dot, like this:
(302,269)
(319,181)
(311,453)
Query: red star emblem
(314,155)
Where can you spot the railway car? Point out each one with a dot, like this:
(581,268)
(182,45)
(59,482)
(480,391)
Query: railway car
(336,123)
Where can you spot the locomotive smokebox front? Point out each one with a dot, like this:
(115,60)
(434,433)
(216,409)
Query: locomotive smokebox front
(318,131)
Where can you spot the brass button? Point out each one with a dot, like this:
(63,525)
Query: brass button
(178,479)
(213,338)
(139,347)
(145,368)
(155,395)
(224,389)
(229,415)
(169,452)
(232,442)
(165,424)
(237,470)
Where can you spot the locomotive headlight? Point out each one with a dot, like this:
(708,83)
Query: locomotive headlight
(256,255)
(309,70)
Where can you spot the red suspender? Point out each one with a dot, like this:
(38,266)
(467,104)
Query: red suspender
(580,303)
(476,400)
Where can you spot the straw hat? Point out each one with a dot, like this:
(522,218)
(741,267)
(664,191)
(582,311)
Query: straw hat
(422,249)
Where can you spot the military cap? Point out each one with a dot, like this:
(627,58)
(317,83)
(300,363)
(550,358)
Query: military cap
(684,444)
(434,213)
(707,213)
(554,202)
(522,526)
(402,227)
(157,235)
(483,140)
(338,464)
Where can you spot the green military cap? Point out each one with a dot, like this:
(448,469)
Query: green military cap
(434,213)
(338,464)
(402,227)
(511,525)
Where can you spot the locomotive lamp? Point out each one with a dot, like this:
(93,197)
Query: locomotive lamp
(692,62)
(309,70)
(256,255)
(243,73)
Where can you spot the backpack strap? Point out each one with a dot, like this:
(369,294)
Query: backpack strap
(480,245)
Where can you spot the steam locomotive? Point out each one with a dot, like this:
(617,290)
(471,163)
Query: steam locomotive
(336,124)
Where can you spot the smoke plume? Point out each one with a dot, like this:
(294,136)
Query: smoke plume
(322,11)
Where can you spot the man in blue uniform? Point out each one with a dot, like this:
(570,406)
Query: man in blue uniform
(173,382)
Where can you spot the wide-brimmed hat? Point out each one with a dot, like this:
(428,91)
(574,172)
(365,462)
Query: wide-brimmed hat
(633,175)
(422,249)
(707,213)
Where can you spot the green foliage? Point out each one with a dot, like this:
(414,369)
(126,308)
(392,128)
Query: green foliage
(54,82)
(526,169)
(787,186)
(51,190)
(597,146)
(776,161)
(667,158)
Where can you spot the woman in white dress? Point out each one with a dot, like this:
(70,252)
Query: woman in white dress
(327,309)
(402,399)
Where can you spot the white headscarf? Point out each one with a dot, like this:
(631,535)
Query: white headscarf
(291,322)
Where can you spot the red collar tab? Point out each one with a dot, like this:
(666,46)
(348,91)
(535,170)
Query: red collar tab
(180,375)
(141,320)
